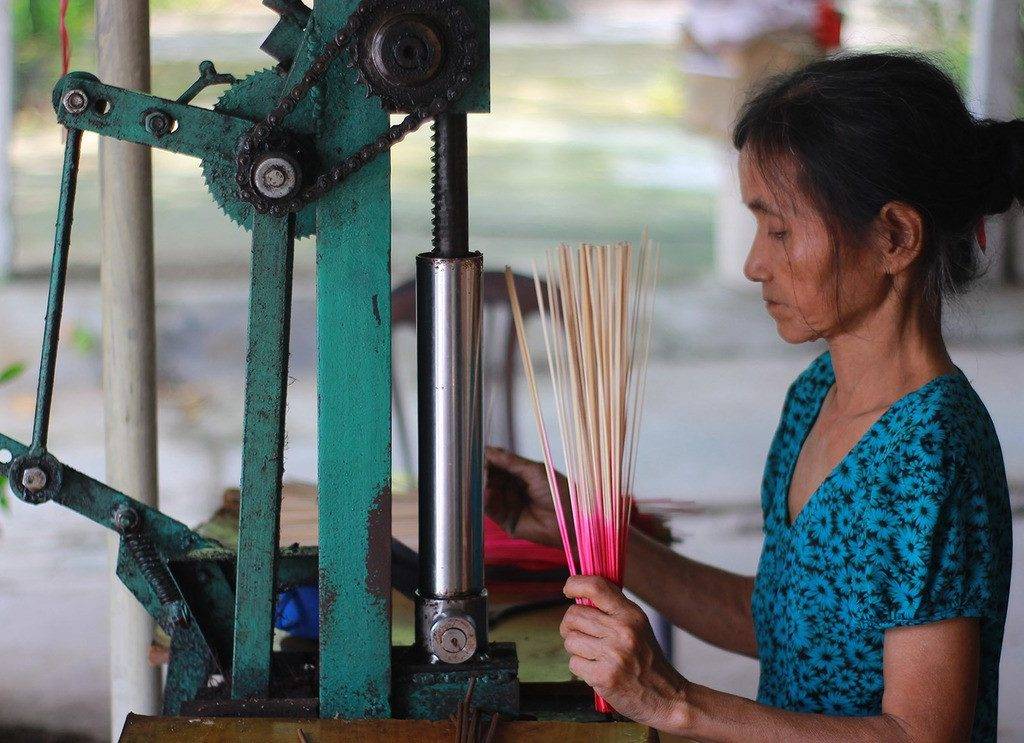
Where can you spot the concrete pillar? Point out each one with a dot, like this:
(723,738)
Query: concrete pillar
(996,46)
(6,138)
(129,359)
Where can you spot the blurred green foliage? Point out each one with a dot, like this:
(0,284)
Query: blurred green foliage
(529,10)
(37,40)
(37,45)
(8,373)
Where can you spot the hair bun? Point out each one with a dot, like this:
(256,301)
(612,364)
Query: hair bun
(1000,164)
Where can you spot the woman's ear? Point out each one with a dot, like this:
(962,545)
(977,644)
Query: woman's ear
(901,236)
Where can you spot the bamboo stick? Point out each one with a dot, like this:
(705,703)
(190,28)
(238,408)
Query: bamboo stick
(595,317)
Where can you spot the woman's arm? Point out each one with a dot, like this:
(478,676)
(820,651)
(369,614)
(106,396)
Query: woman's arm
(709,603)
(930,674)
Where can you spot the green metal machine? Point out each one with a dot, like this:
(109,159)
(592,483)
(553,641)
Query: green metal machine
(302,149)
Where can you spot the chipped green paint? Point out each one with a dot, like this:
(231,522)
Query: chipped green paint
(434,692)
(354,400)
(477,98)
(266,384)
(354,403)
(200,132)
(232,627)
(171,539)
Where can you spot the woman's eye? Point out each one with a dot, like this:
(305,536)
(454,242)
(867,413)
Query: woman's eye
(777,234)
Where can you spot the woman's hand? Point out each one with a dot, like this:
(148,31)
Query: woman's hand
(612,647)
(519,499)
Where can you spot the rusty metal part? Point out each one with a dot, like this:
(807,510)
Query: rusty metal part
(33,479)
(252,97)
(128,523)
(463,50)
(411,52)
(449,184)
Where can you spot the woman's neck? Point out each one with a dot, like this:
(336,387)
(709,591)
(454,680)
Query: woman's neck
(891,353)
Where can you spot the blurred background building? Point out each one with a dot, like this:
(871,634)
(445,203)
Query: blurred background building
(608,117)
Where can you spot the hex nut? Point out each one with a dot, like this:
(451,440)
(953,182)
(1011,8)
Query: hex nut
(33,479)
(158,123)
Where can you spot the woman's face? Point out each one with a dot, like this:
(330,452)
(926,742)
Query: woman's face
(791,259)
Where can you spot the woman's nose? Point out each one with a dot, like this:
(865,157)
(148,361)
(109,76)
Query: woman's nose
(754,267)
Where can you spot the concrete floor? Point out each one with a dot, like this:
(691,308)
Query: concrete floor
(716,386)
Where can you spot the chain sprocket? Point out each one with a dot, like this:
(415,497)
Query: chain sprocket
(371,19)
(252,97)
(413,51)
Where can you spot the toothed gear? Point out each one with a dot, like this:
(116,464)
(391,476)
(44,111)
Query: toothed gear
(427,91)
(252,97)
(413,52)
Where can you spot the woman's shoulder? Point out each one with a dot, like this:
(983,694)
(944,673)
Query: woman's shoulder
(945,416)
(943,457)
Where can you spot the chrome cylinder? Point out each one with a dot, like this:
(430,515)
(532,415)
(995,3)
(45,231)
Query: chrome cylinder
(451,580)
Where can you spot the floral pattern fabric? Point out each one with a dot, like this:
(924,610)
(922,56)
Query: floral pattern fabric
(912,526)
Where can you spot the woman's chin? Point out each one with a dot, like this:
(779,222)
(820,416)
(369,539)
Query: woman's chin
(793,335)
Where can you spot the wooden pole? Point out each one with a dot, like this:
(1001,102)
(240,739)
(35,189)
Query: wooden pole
(129,358)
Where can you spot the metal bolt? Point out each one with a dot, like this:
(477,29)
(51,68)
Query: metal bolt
(75,101)
(158,123)
(453,639)
(275,177)
(126,519)
(33,479)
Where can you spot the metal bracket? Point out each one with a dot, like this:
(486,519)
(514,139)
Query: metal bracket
(208,76)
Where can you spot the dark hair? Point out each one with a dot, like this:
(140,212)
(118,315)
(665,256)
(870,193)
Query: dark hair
(863,130)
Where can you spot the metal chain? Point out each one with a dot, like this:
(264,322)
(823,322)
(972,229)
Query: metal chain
(261,133)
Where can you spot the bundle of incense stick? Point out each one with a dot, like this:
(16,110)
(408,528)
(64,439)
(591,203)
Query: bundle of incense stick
(595,315)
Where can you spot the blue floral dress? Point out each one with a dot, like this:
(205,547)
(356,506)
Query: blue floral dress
(912,526)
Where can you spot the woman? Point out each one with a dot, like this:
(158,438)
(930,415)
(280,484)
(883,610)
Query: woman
(878,607)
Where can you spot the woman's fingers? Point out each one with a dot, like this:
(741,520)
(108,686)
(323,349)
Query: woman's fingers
(511,462)
(583,645)
(601,592)
(586,670)
(585,619)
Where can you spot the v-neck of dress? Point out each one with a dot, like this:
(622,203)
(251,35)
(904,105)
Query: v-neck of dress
(801,436)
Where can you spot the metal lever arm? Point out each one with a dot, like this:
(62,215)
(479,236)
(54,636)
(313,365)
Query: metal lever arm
(101,503)
(123,114)
(266,383)
(58,279)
